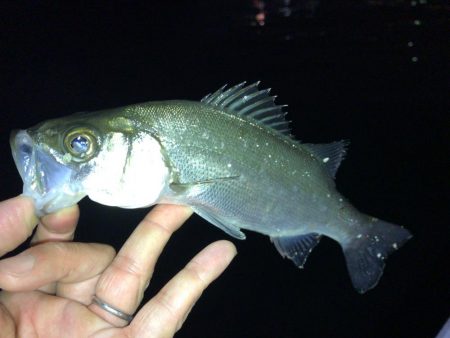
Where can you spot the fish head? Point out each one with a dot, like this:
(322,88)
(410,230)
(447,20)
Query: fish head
(63,160)
(52,159)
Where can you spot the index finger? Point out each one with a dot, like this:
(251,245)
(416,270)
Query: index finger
(17,221)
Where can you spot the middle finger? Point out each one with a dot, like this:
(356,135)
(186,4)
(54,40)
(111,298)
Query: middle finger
(123,283)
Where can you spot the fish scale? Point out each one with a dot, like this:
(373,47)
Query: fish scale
(197,161)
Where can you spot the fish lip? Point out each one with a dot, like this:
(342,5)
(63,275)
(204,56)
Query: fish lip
(22,148)
(48,182)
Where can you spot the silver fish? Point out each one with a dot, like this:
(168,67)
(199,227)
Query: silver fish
(230,157)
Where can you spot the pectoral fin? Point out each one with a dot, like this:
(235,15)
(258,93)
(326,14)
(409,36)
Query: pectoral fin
(223,224)
(183,187)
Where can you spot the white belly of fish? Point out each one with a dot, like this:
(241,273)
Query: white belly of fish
(128,174)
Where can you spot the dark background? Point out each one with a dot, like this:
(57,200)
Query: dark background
(374,72)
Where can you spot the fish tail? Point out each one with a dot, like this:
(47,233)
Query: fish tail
(367,249)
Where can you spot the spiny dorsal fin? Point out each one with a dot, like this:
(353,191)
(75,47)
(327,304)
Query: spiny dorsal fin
(331,154)
(251,102)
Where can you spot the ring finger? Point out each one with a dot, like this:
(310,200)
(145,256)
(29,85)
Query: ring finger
(123,283)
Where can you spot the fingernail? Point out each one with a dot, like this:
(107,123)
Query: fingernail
(18,265)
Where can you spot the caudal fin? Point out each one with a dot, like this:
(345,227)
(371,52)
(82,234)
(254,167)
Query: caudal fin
(366,251)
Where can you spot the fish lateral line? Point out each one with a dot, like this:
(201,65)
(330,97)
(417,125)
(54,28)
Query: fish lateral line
(206,181)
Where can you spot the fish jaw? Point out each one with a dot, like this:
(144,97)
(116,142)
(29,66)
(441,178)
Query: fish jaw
(48,182)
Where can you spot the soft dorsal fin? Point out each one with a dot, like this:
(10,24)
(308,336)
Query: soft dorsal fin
(331,154)
(251,102)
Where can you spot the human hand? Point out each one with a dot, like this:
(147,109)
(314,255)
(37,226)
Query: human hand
(48,288)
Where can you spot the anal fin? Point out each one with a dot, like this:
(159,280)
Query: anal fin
(296,248)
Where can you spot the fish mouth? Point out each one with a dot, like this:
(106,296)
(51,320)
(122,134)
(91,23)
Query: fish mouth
(48,182)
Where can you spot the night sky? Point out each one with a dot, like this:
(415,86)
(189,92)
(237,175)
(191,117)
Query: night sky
(372,72)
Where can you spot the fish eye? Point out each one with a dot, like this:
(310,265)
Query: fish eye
(81,144)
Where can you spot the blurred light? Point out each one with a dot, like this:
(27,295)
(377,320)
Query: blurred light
(286,9)
(260,18)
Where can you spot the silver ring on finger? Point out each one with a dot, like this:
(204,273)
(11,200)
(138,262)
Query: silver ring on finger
(112,310)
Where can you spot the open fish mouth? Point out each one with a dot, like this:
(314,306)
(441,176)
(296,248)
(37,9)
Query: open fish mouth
(45,180)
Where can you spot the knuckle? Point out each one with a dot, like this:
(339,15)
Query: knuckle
(164,303)
(149,222)
(129,265)
(196,272)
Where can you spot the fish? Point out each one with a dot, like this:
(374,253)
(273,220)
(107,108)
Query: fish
(230,157)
